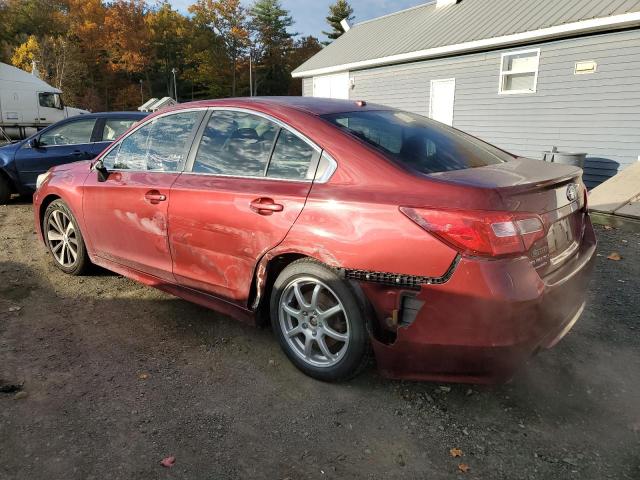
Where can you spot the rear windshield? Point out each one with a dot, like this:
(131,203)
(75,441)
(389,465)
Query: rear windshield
(418,142)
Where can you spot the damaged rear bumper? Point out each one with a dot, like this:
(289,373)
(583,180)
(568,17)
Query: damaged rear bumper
(484,322)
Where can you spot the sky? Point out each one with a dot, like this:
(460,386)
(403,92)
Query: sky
(309,15)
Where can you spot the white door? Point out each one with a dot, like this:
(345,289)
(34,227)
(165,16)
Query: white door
(332,86)
(442,99)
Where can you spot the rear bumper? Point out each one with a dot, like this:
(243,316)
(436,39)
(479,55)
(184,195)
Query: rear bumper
(487,320)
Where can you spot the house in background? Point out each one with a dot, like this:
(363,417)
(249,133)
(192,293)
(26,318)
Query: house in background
(524,75)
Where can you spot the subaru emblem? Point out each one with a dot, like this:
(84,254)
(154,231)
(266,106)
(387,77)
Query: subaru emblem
(572,192)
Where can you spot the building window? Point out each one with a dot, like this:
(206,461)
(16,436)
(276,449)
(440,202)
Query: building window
(519,71)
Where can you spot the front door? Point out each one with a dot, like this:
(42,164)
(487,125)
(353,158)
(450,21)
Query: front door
(57,145)
(244,190)
(442,99)
(126,216)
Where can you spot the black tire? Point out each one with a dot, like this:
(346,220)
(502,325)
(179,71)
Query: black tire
(344,359)
(70,265)
(5,190)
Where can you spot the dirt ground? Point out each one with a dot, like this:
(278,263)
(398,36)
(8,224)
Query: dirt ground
(111,377)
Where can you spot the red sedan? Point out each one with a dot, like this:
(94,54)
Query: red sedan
(351,228)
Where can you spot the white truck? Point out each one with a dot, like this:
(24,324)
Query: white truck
(28,104)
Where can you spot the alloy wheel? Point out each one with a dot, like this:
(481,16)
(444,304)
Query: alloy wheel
(62,237)
(314,322)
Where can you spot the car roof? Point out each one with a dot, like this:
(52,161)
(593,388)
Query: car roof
(111,115)
(311,105)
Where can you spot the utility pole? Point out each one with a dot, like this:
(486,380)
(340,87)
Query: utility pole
(250,73)
(141,94)
(175,85)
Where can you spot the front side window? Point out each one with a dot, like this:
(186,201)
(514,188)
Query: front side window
(50,100)
(235,144)
(519,71)
(292,158)
(72,133)
(160,145)
(113,128)
(417,142)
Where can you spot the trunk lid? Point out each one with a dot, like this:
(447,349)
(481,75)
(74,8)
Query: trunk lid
(552,191)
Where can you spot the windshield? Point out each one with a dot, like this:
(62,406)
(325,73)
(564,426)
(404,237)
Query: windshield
(417,142)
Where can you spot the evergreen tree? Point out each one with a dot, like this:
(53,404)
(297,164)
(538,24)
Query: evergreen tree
(341,10)
(272,43)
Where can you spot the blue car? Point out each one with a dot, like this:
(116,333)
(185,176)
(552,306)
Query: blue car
(77,138)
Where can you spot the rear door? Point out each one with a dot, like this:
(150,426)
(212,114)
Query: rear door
(68,142)
(243,189)
(126,216)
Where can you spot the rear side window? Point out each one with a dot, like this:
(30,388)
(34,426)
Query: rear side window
(160,145)
(417,142)
(291,158)
(113,128)
(236,144)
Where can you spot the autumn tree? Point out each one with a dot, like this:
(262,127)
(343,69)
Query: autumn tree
(228,20)
(86,26)
(126,37)
(26,53)
(273,42)
(339,11)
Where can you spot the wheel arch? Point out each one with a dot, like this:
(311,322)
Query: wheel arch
(266,273)
(46,201)
(5,176)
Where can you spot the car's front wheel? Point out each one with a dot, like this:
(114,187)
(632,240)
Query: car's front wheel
(319,322)
(64,239)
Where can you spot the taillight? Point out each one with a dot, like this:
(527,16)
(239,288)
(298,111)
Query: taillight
(480,233)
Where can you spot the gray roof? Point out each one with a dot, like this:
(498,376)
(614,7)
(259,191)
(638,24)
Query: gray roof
(427,27)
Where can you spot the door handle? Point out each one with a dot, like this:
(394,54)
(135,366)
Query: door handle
(265,206)
(155,197)
(78,153)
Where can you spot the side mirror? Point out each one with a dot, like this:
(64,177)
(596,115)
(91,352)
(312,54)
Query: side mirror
(34,142)
(103,173)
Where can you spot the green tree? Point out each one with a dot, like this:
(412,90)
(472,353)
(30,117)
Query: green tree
(341,10)
(169,34)
(272,44)
(228,19)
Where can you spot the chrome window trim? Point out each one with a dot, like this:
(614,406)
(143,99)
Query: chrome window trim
(69,144)
(331,169)
(333,165)
(142,123)
(248,177)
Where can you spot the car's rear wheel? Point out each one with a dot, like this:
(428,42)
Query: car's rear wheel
(5,190)
(319,322)
(64,239)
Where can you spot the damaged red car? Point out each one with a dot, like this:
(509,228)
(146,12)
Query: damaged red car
(352,228)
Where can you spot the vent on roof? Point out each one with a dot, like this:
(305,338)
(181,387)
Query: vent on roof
(445,3)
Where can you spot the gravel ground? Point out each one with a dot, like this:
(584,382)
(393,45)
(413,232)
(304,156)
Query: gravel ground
(111,377)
